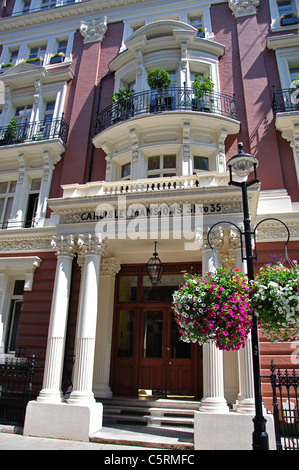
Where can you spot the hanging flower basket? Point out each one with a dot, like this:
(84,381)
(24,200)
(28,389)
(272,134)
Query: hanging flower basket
(216,307)
(276,301)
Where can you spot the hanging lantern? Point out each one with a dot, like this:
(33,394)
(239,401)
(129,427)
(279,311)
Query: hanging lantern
(154,268)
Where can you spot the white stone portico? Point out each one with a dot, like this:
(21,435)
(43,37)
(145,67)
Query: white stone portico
(82,211)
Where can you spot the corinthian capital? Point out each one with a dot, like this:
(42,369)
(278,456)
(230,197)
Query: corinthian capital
(89,245)
(93,30)
(64,245)
(243,7)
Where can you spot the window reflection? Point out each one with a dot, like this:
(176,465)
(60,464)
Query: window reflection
(125,333)
(163,292)
(127,290)
(153,334)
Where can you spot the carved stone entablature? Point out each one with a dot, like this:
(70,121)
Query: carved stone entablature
(25,243)
(243,7)
(93,30)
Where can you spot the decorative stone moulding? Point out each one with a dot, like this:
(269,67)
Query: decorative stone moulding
(93,30)
(243,7)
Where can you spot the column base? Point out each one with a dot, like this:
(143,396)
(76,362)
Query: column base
(63,421)
(213,405)
(50,396)
(102,391)
(246,405)
(81,398)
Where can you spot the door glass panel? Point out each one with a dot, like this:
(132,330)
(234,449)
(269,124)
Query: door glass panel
(153,334)
(163,292)
(178,349)
(125,346)
(127,289)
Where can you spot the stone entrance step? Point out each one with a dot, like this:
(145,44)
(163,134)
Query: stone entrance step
(157,412)
(156,423)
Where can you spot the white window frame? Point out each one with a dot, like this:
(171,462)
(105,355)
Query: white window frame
(275,16)
(12,269)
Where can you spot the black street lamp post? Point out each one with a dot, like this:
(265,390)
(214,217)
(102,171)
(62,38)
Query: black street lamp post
(242,164)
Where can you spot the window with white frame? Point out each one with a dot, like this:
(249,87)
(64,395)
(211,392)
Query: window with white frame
(38,51)
(16,303)
(285,7)
(48,4)
(294,70)
(14,56)
(7,193)
(126,171)
(23,114)
(196,21)
(200,164)
(26,6)
(32,202)
(161,166)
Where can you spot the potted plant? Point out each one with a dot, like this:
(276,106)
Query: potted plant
(122,101)
(6,66)
(159,81)
(10,134)
(202,88)
(289,18)
(216,307)
(57,58)
(275,298)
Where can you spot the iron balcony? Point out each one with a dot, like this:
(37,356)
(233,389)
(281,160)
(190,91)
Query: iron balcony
(285,101)
(34,131)
(159,101)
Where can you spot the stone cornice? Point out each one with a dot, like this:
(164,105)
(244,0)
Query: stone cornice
(67,11)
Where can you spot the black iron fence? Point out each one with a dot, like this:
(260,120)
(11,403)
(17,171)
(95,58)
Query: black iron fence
(34,131)
(172,99)
(285,408)
(285,101)
(15,389)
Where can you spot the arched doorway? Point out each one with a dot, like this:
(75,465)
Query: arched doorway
(147,356)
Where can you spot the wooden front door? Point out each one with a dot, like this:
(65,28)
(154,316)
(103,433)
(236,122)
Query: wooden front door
(165,362)
(147,355)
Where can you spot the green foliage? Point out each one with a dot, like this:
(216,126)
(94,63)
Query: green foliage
(158,78)
(121,94)
(202,85)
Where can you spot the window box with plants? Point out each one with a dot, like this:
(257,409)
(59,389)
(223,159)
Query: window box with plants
(57,58)
(289,19)
(5,67)
(200,33)
(159,82)
(34,60)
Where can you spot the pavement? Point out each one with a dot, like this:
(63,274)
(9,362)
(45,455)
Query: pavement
(108,439)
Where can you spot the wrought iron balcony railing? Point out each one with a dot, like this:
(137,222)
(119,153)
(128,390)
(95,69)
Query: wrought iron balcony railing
(158,101)
(34,131)
(285,101)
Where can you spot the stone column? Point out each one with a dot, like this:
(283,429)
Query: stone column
(213,400)
(90,247)
(51,390)
(109,268)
